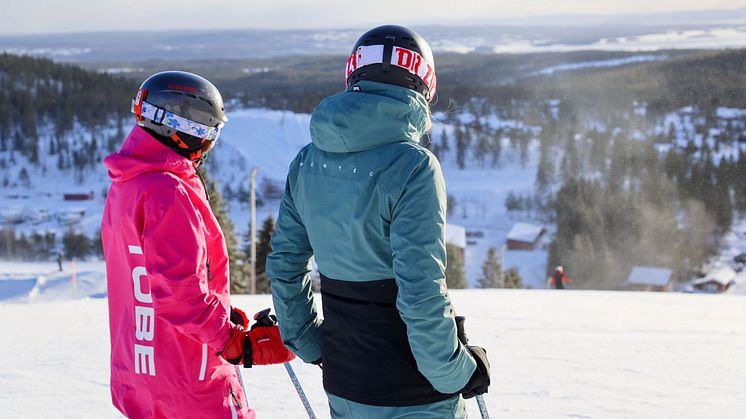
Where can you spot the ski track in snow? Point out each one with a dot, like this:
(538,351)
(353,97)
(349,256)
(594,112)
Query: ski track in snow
(554,354)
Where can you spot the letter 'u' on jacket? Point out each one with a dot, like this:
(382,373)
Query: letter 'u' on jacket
(368,203)
(168,286)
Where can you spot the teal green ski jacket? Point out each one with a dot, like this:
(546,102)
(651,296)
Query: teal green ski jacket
(368,202)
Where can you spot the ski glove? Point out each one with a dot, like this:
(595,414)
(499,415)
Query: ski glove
(480,380)
(262,345)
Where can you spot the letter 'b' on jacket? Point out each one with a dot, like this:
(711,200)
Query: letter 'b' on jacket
(167,275)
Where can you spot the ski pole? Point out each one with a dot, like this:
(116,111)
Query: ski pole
(243,386)
(461,333)
(263,318)
(299,389)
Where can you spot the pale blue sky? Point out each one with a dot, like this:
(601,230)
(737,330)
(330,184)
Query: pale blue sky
(44,16)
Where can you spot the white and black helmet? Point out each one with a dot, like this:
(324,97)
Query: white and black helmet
(395,55)
(183,110)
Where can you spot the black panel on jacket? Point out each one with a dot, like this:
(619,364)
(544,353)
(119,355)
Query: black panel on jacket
(365,350)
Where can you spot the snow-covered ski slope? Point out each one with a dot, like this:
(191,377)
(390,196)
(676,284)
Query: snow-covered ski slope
(554,354)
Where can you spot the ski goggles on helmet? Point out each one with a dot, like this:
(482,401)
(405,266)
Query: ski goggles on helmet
(143,109)
(400,57)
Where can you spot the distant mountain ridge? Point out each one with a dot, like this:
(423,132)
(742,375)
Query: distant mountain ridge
(486,36)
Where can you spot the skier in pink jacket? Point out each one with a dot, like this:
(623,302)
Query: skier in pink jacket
(174,336)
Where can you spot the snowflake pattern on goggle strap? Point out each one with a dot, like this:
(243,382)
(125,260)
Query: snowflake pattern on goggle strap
(181,124)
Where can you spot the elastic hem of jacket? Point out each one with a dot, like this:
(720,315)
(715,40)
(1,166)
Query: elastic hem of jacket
(461,373)
(387,401)
(311,349)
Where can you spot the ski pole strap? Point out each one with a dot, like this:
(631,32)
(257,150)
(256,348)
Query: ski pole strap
(299,390)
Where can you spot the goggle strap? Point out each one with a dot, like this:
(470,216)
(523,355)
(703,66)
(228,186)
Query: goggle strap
(143,109)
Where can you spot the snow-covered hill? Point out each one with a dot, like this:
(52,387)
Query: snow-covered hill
(553,354)
(268,140)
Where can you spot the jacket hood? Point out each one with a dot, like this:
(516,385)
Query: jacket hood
(371,115)
(141,153)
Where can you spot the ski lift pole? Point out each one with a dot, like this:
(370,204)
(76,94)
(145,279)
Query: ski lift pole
(299,389)
(460,320)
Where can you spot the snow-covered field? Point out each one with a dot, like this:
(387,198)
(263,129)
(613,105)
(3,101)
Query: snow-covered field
(554,354)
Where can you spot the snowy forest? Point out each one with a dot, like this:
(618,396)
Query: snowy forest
(638,164)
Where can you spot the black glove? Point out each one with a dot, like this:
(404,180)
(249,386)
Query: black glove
(480,380)
(238,317)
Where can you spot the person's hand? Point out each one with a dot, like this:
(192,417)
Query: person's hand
(235,349)
(266,345)
(480,380)
(262,345)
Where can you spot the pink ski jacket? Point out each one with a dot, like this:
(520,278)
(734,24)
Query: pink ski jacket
(167,273)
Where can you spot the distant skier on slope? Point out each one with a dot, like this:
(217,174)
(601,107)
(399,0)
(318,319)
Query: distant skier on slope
(174,336)
(368,202)
(558,280)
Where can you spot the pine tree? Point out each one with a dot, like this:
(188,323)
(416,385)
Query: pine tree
(76,245)
(98,244)
(491,270)
(462,144)
(495,147)
(455,276)
(451,204)
(239,280)
(513,279)
(23,178)
(444,141)
(545,171)
(264,247)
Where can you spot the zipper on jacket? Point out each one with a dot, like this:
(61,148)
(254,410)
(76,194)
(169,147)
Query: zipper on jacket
(235,400)
(204,185)
(207,195)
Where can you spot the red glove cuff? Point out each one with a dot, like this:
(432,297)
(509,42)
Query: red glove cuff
(233,350)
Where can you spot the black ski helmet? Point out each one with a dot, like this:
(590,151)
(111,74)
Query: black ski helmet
(395,55)
(183,110)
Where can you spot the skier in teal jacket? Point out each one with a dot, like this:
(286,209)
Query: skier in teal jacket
(368,202)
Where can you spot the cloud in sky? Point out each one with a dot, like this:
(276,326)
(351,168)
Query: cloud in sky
(45,16)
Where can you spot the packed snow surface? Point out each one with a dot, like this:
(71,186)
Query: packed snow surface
(554,354)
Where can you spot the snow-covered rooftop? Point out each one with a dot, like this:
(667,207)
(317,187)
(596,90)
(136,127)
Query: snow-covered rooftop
(456,235)
(525,232)
(722,276)
(646,275)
